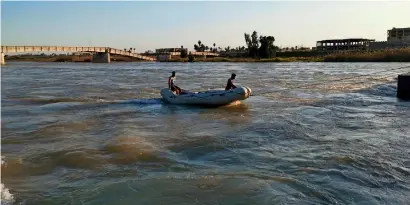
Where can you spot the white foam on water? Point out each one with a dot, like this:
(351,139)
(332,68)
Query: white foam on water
(6,197)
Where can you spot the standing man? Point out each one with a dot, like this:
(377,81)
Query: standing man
(171,83)
(230,85)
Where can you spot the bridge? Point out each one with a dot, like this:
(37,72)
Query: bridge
(102,54)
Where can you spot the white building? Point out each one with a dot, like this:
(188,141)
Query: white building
(398,35)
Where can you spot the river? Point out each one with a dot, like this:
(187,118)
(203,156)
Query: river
(83,133)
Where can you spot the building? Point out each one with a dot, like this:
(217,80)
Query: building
(396,38)
(396,35)
(343,44)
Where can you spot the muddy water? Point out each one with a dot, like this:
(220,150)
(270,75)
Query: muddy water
(82,133)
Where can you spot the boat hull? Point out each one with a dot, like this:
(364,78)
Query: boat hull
(210,97)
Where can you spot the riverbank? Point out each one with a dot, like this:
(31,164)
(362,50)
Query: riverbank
(250,60)
(390,55)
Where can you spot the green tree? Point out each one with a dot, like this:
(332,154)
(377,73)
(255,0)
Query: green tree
(259,47)
(202,48)
(197,48)
(252,43)
(267,49)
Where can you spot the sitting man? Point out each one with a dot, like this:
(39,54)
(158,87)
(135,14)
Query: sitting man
(230,85)
(171,84)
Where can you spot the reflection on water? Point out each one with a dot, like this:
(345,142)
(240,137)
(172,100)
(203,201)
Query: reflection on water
(81,133)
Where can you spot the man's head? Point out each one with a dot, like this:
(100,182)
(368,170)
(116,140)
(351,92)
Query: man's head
(233,76)
(173,73)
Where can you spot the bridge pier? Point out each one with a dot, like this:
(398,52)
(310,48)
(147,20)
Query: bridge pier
(101,57)
(2,60)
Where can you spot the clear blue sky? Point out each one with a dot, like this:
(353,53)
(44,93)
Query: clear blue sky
(150,25)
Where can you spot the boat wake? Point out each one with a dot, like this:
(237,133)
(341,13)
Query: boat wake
(41,101)
(152,101)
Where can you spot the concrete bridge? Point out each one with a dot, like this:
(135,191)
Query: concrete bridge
(102,54)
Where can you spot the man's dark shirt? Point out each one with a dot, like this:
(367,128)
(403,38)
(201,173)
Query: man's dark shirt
(230,85)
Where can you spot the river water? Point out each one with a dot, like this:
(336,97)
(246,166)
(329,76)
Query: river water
(82,133)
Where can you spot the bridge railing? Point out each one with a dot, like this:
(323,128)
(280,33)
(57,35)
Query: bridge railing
(127,53)
(22,49)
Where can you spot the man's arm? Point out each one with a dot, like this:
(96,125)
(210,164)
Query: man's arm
(233,86)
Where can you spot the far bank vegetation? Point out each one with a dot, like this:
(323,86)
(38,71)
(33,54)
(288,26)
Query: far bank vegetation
(262,49)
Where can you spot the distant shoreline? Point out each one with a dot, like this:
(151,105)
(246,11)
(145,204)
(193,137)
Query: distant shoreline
(174,60)
(387,55)
(251,60)
(392,55)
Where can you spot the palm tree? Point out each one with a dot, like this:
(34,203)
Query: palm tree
(134,50)
(202,47)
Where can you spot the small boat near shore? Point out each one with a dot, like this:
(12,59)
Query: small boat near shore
(209,97)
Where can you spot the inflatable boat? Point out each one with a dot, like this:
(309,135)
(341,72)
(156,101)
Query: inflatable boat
(209,97)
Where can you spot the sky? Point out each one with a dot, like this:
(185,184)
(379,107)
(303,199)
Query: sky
(147,25)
